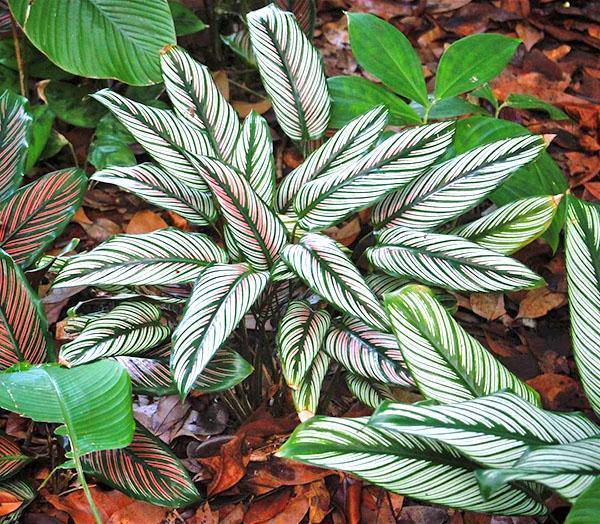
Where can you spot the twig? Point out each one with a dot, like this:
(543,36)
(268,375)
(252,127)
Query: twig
(20,63)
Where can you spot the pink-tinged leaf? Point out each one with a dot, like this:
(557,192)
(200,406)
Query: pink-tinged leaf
(14,125)
(36,214)
(12,459)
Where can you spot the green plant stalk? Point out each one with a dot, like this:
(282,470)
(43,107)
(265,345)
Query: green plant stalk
(84,485)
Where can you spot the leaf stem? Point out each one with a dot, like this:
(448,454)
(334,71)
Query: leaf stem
(20,64)
(86,488)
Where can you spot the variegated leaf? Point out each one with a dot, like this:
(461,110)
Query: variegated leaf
(583,274)
(163,257)
(306,397)
(12,459)
(36,214)
(322,265)
(345,147)
(447,364)
(130,328)
(220,299)
(14,126)
(292,73)
(369,393)
(21,493)
(512,226)
(394,163)
(239,43)
(146,470)
(197,100)
(167,139)
(422,469)
(160,188)
(449,262)
(23,325)
(453,187)
(253,156)
(304,11)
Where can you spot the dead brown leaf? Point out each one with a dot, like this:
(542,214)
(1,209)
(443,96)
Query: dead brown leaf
(296,508)
(245,108)
(318,501)
(488,305)
(228,468)
(539,302)
(8,503)
(265,508)
(145,221)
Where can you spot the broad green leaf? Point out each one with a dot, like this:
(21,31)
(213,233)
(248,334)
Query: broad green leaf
(17,490)
(531,102)
(485,92)
(14,128)
(164,257)
(448,261)
(23,326)
(324,267)
(185,20)
(98,39)
(220,299)
(93,402)
(452,188)
(292,73)
(494,431)
(586,509)
(304,11)
(12,459)
(449,108)
(33,217)
(353,95)
(471,62)
(110,145)
(41,130)
(73,104)
(583,275)
(513,226)
(146,470)
(306,397)
(418,468)
(369,393)
(130,328)
(162,189)
(390,166)
(385,52)
(447,364)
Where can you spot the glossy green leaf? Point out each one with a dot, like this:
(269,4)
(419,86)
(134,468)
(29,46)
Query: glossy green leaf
(41,129)
(73,104)
(185,20)
(587,508)
(531,102)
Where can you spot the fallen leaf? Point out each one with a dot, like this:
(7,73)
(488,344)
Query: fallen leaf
(245,108)
(296,508)
(488,305)
(528,34)
(228,468)
(265,508)
(204,515)
(318,501)
(145,221)
(539,302)
(222,81)
(559,392)
(8,503)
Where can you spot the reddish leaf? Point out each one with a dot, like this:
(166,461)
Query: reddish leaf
(12,458)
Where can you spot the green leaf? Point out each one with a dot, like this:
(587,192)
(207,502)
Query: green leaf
(185,20)
(93,402)
(386,53)
(73,104)
(12,459)
(587,508)
(453,107)
(38,66)
(239,43)
(98,39)
(110,146)
(471,62)
(41,129)
(532,102)
(447,364)
(353,95)
(14,128)
(485,92)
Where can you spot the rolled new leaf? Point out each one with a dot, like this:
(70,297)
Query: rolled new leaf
(306,396)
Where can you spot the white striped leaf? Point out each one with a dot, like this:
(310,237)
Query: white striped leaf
(162,189)
(300,335)
(369,393)
(494,431)
(366,352)
(394,163)
(447,364)
(568,468)
(258,233)
(345,147)
(130,328)
(166,138)
(418,468)
(292,73)
(197,100)
(453,187)
(14,127)
(22,492)
(163,257)
(513,226)
(304,12)
(583,275)
(253,156)
(323,266)
(239,43)
(220,299)
(306,397)
(449,262)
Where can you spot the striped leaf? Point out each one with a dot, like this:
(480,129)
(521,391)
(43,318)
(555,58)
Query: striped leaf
(258,232)
(345,147)
(146,470)
(449,262)
(512,226)
(14,126)
(239,43)
(390,166)
(253,156)
(453,187)
(369,393)
(23,326)
(494,431)
(322,265)
(36,214)
(299,337)
(306,396)
(568,468)
(162,189)
(167,139)
(418,468)
(447,364)
(292,73)
(19,492)
(197,100)
(304,11)
(220,299)
(583,274)
(129,329)
(12,459)
(366,352)
(163,257)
